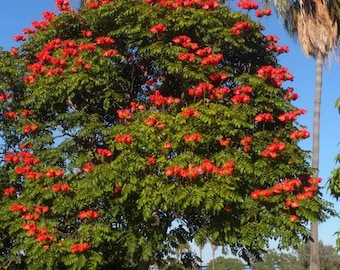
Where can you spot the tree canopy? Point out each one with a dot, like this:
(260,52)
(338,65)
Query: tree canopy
(130,128)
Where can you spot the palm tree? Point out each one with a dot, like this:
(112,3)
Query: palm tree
(316,25)
(201,246)
(214,248)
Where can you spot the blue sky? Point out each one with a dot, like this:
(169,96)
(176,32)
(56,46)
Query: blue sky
(18,14)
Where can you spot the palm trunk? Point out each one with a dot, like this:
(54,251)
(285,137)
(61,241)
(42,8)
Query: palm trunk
(314,245)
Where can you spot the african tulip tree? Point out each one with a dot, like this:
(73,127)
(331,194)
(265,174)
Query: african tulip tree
(144,125)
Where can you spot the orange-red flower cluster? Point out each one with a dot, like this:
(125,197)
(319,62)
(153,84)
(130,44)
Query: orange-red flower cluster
(218,77)
(104,152)
(152,121)
(88,167)
(54,173)
(264,117)
(151,160)
(271,39)
(207,57)
(273,149)
(105,40)
(159,100)
(188,112)
(126,138)
(94,4)
(247,4)
(63,6)
(30,128)
(195,137)
(241,27)
(278,49)
(204,4)
(41,209)
(158,28)
(9,191)
(241,94)
(88,214)
(25,157)
(18,208)
(292,115)
(201,89)
(61,187)
(290,94)
(79,248)
(4,96)
(225,142)
(275,76)
(194,171)
(10,115)
(136,106)
(300,134)
(31,216)
(124,114)
(246,141)
(263,12)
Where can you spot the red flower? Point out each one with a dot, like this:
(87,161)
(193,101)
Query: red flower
(88,167)
(19,38)
(195,137)
(241,27)
(248,4)
(79,248)
(188,112)
(109,53)
(26,113)
(30,128)
(104,152)
(124,114)
(14,51)
(105,40)
(127,139)
(263,12)
(264,117)
(9,191)
(167,145)
(88,214)
(225,142)
(30,216)
(151,121)
(31,228)
(293,218)
(61,187)
(33,175)
(18,208)
(10,115)
(41,209)
(159,28)
(300,134)
(86,33)
(151,160)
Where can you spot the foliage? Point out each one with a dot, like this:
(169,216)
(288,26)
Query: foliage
(221,263)
(144,125)
(295,260)
(299,259)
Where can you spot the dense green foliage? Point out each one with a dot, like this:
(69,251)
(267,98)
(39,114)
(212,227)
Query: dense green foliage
(142,126)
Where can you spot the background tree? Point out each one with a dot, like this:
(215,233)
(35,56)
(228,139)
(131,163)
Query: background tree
(316,25)
(221,263)
(145,125)
(277,260)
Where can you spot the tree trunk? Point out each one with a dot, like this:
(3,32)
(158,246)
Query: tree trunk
(143,266)
(314,245)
